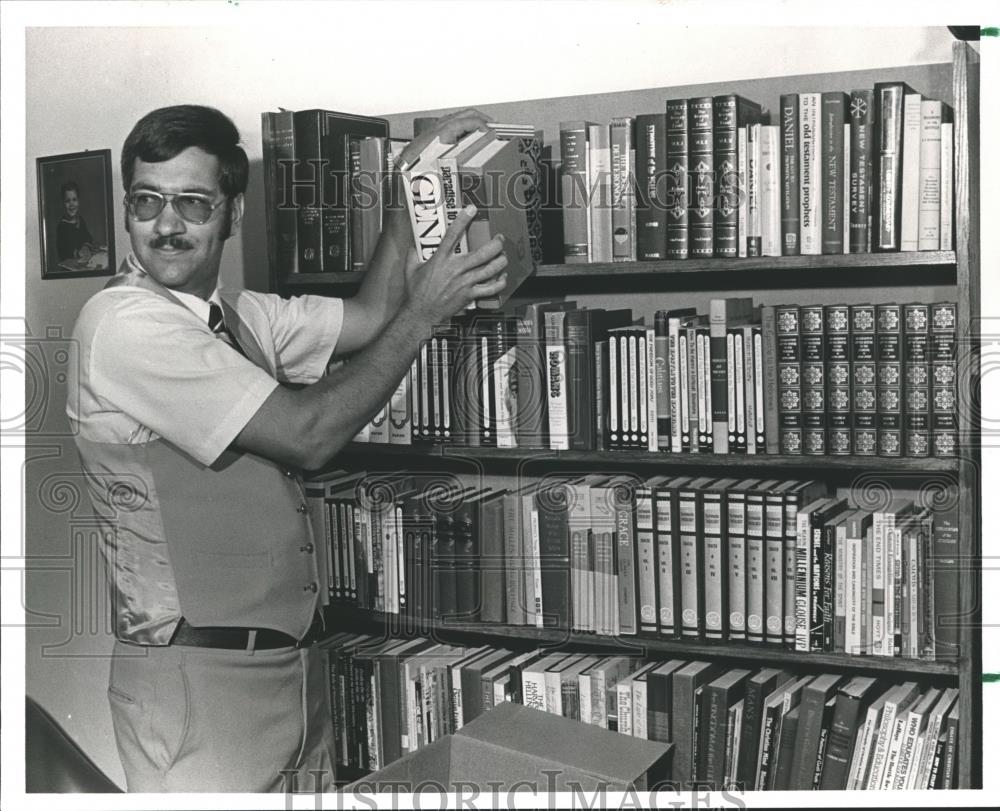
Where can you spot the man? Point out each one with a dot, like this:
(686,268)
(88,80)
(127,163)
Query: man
(190,441)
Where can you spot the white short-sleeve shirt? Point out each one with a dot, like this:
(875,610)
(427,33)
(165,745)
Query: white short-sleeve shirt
(151,368)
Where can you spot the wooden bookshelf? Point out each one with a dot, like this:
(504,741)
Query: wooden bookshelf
(347,618)
(927,276)
(877,268)
(666,461)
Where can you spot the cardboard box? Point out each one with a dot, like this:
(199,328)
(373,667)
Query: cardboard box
(511,744)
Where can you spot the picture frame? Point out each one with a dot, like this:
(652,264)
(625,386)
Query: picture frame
(76,214)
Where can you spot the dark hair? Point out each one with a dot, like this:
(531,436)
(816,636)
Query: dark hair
(165,133)
(70,185)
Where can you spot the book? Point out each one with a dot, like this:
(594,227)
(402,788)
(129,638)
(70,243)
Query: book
(686,681)
(575,186)
(651,186)
(647,564)
(815,695)
(864,380)
(600,193)
(810,173)
(780,702)
(852,701)
(714,508)
(554,555)
(944,355)
(769,177)
(862,133)
(834,112)
(897,702)
(676,163)
(736,574)
(791,215)
(484,179)
(839,420)
(701,172)
(813,369)
(278,142)
(947,185)
(722,314)
(916,359)
(659,711)
(932,116)
(910,185)
(788,342)
(718,698)
(887,179)
(623,216)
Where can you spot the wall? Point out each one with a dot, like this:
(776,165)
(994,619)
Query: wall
(85,87)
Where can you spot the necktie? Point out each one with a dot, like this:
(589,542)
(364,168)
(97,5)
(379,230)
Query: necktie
(217,323)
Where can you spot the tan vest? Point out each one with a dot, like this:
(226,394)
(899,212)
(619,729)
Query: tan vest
(226,545)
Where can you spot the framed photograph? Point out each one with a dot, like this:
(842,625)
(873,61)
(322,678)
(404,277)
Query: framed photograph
(76,214)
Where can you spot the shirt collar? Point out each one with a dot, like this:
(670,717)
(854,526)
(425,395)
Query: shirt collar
(196,304)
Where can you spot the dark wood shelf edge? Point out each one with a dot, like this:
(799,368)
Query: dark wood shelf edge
(351,619)
(693,460)
(867,261)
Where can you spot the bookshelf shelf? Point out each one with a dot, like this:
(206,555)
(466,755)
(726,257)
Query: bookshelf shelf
(649,646)
(665,460)
(879,265)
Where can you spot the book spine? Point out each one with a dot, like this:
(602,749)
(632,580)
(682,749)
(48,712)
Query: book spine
(929,183)
(840,586)
(309,172)
(647,564)
(813,381)
(774,568)
(769,364)
(770,190)
(668,575)
(503,392)
(947,186)
(724,109)
(425,203)
(833,109)
(674,366)
(838,379)
(864,404)
(788,341)
(677,178)
(910,190)
(662,350)
(756,606)
(944,356)
(691,565)
(791,215)
(554,563)
(862,131)
(703,377)
(624,560)
(816,567)
(749,392)
(761,396)
(702,174)
(809,173)
(623,223)
(555,366)
(888,344)
(742,212)
(693,379)
(648,365)
(803,582)
(719,371)
(278,135)
(736,385)
(737,563)
(716,561)
(400,429)
(889,124)
(753,190)
(573,138)
(651,208)
(916,379)
(599,186)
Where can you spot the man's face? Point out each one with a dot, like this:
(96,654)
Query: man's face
(71,203)
(181,255)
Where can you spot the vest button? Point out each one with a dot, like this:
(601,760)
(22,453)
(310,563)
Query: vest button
(301,508)
(307,548)
(313,587)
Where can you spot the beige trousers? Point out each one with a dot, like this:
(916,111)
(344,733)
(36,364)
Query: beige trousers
(201,720)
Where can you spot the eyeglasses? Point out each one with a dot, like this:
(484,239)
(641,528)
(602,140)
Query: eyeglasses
(193,207)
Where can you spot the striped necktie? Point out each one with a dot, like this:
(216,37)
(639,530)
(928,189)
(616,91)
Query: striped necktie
(217,323)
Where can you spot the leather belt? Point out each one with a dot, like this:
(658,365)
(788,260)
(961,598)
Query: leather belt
(226,638)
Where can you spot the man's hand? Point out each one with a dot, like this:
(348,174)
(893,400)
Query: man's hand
(446,283)
(449,128)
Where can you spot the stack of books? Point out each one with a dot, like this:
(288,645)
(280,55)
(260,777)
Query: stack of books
(767,729)
(710,176)
(768,562)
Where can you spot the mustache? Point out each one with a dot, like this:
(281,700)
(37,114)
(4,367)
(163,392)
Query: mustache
(177,243)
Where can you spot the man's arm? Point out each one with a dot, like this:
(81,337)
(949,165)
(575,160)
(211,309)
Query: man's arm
(381,292)
(306,427)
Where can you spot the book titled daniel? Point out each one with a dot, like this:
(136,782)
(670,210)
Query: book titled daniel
(483,168)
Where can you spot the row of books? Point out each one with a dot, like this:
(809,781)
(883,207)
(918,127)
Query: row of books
(740,729)
(711,176)
(326,186)
(782,563)
(837,379)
